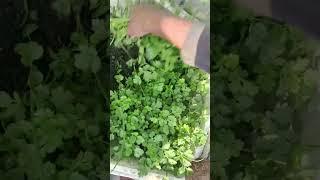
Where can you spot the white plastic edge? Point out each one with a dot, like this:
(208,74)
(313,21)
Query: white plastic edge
(128,171)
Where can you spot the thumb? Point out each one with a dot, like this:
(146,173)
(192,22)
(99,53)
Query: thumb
(135,31)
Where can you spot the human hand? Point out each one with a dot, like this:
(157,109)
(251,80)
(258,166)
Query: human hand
(145,19)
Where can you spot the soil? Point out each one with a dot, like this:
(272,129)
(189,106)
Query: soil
(201,171)
(119,57)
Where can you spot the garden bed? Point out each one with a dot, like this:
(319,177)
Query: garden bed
(174,106)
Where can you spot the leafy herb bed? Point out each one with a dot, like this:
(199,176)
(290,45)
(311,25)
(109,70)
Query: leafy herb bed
(264,74)
(157,110)
(53,123)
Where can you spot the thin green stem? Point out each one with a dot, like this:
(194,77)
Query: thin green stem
(125,50)
(26,9)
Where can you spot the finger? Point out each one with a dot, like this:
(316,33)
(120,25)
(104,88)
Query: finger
(134,28)
(136,33)
(131,28)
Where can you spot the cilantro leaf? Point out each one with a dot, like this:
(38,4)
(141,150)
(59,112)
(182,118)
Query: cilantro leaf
(138,152)
(29,52)
(87,59)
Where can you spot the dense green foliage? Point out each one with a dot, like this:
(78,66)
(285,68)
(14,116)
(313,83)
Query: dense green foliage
(264,73)
(54,128)
(158,107)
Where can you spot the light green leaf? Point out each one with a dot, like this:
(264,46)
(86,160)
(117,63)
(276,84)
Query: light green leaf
(189,169)
(29,52)
(147,76)
(158,138)
(138,152)
(170,153)
(151,53)
(181,170)
(111,137)
(35,77)
(185,163)
(140,140)
(128,151)
(118,78)
(137,80)
(172,161)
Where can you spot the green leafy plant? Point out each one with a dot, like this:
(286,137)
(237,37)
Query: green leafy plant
(54,129)
(157,109)
(264,74)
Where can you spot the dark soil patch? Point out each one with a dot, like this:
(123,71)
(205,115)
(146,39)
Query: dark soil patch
(120,57)
(201,171)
